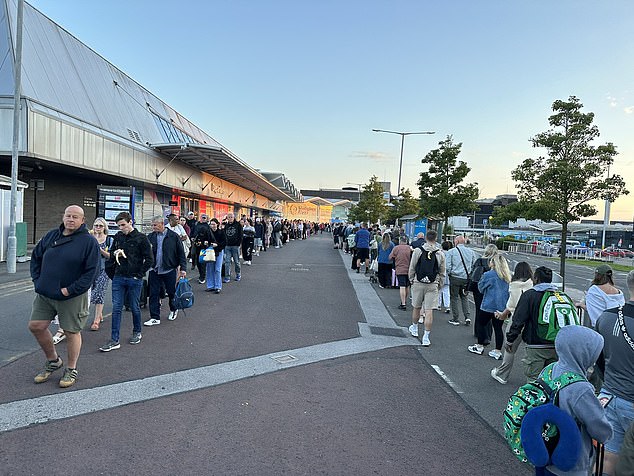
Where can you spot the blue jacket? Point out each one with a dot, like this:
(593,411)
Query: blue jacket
(69,262)
(384,255)
(495,292)
(362,238)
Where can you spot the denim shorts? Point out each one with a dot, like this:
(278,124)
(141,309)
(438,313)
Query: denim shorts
(620,414)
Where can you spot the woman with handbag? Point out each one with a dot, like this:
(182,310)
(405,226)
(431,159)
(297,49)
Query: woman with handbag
(480,267)
(217,243)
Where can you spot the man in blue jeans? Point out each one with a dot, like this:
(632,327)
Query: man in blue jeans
(233,232)
(169,255)
(130,258)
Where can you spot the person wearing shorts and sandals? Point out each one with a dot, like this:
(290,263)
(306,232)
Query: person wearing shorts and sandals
(616,325)
(425,293)
(63,267)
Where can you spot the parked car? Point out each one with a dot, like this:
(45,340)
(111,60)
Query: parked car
(610,252)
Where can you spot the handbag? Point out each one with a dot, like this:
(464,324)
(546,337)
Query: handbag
(464,289)
(207,255)
(374,266)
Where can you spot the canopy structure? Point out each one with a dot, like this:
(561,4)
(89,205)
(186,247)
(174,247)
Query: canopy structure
(218,161)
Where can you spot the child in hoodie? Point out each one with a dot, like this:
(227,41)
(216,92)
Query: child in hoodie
(578,348)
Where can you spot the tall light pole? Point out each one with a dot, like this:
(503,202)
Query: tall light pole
(12,239)
(402,134)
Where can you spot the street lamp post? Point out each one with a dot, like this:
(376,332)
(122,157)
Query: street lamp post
(402,134)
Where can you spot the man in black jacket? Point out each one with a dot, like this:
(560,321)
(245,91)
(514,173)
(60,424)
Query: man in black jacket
(130,258)
(63,267)
(539,352)
(168,255)
(233,232)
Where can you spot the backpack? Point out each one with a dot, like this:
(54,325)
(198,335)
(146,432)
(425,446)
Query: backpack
(481,267)
(531,395)
(427,266)
(277,227)
(184,295)
(556,310)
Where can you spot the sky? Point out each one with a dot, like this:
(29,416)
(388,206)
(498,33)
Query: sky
(297,86)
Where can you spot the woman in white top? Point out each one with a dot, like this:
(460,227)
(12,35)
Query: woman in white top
(602,294)
(521,281)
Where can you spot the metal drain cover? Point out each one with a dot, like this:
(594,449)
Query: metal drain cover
(284,359)
(387,331)
(300,269)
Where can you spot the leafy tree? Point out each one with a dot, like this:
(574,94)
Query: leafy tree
(407,204)
(372,205)
(560,186)
(442,193)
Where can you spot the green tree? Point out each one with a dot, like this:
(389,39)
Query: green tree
(560,186)
(372,205)
(407,204)
(442,192)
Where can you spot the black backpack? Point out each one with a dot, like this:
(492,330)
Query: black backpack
(427,266)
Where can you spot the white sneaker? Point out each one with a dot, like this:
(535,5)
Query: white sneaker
(172,316)
(426,341)
(413,329)
(476,349)
(152,322)
(496,354)
(494,374)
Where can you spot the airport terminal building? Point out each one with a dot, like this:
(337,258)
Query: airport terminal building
(92,136)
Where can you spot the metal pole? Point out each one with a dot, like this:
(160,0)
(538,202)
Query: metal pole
(606,216)
(400,167)
(12,240)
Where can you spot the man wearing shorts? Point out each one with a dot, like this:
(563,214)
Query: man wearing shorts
(425,291)
(63,267)
(402,255)
(362,245)
(618,383)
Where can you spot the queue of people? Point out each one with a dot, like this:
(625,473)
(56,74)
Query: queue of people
(72,267)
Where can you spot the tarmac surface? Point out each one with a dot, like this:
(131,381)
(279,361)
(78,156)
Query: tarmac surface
(300,368)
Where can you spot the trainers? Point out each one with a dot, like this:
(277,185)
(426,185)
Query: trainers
(237,277)
(402,307)
(248,263)
(172,316)
(136,338)
(413,329)
(453,322)
(467,322)
(69,378)
(494,374)
(421,320)
(49,368)
(226,280)
(496,354)
(201,281)
(111,345)
(153,322)
(216,291)
(476,349)
(425,341)
(447,311)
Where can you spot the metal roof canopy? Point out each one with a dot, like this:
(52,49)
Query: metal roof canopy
(221,163)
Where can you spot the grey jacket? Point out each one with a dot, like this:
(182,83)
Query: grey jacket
(454,265)
(578,348)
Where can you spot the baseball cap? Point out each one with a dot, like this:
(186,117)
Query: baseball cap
(190,214)
(603,269)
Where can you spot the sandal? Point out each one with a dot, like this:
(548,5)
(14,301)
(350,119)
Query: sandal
(59,336)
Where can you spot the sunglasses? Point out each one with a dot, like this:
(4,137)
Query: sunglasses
(98,226)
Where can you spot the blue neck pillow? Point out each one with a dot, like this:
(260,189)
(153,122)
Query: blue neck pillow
(566,453)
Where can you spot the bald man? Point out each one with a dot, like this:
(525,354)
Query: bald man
(63,267)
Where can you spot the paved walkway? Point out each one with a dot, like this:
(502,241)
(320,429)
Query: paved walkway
(297,369)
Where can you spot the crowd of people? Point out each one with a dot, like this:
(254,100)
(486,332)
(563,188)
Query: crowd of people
(72,267)
(511,306)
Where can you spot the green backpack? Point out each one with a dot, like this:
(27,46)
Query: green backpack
(532,395)
(556,310)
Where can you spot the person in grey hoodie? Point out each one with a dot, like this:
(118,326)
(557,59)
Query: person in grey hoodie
(578,348)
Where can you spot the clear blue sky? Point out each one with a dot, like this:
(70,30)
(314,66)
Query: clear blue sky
(296,86)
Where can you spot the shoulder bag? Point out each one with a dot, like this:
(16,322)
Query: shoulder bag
(464,289)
